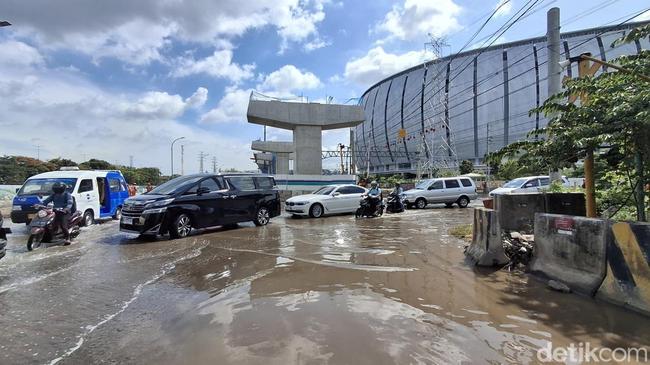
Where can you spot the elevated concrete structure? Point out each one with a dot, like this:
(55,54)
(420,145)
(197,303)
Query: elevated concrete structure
(282,152)
(307,121)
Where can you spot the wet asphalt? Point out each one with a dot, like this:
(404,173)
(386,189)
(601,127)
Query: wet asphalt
(338,290)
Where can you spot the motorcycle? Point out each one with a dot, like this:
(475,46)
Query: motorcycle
(370,207)
(3,237)
(393,203)
(41,228)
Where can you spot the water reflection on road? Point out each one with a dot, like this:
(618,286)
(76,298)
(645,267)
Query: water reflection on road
(335,290)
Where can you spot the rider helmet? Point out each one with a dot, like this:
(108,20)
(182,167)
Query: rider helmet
(373,184)
(58,188)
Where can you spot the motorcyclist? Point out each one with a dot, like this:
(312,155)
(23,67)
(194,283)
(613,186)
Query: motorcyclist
(398,191)
(63,203)
(374,193)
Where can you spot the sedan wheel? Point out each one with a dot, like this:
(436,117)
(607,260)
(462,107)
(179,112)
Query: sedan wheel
(262,217)
(316,211)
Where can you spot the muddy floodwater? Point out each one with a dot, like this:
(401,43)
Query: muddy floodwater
(336,290)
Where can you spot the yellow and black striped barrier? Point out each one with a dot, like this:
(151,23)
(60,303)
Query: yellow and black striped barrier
(627,281)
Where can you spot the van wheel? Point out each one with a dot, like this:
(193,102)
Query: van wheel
(118,214)
(463,201)
(421,203)
(316,211)
(262,217)
(181,226)
(88,219)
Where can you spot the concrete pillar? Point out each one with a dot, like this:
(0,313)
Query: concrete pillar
(308,142)
(282,163)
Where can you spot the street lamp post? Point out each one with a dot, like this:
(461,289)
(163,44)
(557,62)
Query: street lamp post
(171,173)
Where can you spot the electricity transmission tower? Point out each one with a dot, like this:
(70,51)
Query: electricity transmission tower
(436,151)
(202,157)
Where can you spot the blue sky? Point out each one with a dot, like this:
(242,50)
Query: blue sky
(113,79)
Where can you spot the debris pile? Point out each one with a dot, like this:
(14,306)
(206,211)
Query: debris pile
(518,247)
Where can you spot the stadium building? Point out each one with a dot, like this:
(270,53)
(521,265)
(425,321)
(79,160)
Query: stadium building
(444,110)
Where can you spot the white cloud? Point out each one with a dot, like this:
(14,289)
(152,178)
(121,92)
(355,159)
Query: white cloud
(377,64)
(197,99)
(315,44)
(281,83)
(75,119)
(230,109)
(417,18)
(16,53)
(219,65)
(138,32)
(289,78)
(504,8)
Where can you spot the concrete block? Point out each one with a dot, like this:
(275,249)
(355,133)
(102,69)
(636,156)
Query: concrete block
(486,248)
(516,212)
(571,250)
(566,203)
(627,282)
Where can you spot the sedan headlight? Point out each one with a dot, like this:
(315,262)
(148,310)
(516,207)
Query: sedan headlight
(300,203)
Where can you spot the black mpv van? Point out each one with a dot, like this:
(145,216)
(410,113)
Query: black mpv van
(201,201)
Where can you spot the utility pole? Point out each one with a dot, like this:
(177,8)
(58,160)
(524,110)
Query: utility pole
(554,81)
(182,159)
(487,152)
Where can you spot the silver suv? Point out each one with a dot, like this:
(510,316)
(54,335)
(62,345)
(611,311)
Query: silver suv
(448,190)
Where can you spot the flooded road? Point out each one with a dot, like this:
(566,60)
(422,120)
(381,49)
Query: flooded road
(395,289)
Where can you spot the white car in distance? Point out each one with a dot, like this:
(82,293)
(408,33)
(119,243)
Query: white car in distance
(528,184)
(329,199)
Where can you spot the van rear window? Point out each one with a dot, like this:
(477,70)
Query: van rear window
(450,184)
(264,182)
(242,182)
(466,182)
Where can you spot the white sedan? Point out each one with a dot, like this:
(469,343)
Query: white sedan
(330,199)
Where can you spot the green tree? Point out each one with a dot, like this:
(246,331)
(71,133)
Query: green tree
(615,122)
(94,164)
(61,162)
(465,167)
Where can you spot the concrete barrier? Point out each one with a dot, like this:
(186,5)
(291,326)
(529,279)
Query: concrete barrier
(572,250)
(486,248)
(628,267)
(517,211)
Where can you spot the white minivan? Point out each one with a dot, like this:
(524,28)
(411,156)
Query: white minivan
(448,190)
(97,194)
(528,184)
